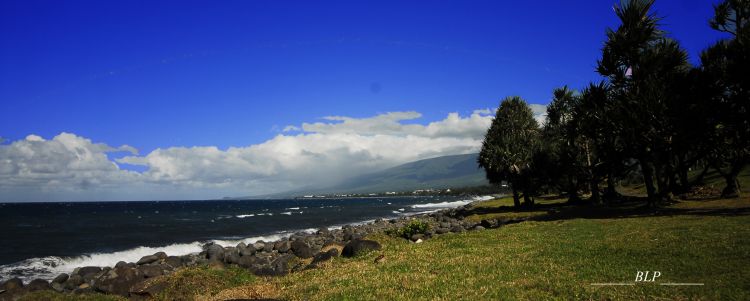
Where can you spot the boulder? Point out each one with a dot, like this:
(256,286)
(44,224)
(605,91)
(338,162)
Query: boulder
(259,246)
(61,278)
(301,249)
(323,257)
(359,246)
(457,229)
(323,231)
(282,246)
(478,228)
(214,252)
(173,261)
(246,251)
(278,267)
(151,271)
(121,264)
(417,236)
(161,255)
(73,282)
(231,256)
(87,272)
(442,230)
(147,259)
(148,289)
(12,284)
(119,280)
(38,285)
(268,247)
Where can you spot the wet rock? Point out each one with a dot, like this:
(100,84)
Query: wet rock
(359,246)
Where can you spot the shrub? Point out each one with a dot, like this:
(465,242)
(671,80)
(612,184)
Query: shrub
(413,227)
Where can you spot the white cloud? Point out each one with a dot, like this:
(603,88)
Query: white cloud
(540,112)
(320,153)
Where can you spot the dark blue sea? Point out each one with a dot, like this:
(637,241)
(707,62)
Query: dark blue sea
(41,240)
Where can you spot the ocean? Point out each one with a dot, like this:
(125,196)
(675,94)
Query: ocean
(42,240)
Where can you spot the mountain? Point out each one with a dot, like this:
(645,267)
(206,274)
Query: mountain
(436,173)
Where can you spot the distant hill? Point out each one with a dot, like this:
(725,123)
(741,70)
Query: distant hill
(440,172)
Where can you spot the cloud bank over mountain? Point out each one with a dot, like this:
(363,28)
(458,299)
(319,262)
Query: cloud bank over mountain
(71,167)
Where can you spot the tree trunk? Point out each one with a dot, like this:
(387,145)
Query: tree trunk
(611,193)
(516,201)
(648,180)
(732,190)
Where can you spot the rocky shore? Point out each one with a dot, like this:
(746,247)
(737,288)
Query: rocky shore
(297,252)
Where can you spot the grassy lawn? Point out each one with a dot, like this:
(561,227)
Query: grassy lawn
(534,260)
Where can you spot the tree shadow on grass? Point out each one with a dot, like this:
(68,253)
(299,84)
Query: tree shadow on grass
(625,207)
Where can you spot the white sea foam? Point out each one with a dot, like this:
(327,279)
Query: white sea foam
(245,215)
(287,213)
(454,203)
(51,266)
(292,208)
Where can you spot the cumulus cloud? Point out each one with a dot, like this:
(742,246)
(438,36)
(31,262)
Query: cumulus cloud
(312,154)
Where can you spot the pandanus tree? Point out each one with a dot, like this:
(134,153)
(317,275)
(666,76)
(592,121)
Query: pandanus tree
(562,141)
(725,66)
(509,146)
(642,66)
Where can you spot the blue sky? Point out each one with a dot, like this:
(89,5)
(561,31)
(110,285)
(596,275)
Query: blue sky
(169,74)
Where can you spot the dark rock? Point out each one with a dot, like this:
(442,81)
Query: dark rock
(417,236)
(119,280)
(215,252)
(151,271)
(323,231)
(87,272)
(173,261)
(147,259)
(457,229)
(359,246)
(301,249)
(246,251)
(282,246)
(73,282)
(121,264)
(38,285)
(148,289)
(268,247)
(323,257)
(232,256)
(61,278)
(161,255)
(259,246)
(13,284)
(279,266)
(442,230)
(251,261)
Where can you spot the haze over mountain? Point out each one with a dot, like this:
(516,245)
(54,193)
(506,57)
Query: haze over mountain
(436,173)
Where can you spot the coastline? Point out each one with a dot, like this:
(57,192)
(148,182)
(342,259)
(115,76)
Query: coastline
(265,250)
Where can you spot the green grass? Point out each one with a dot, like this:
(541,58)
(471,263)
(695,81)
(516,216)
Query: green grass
(557,256)
(540,260)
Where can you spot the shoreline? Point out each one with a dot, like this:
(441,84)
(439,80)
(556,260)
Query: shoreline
(196,247)
(298,251)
